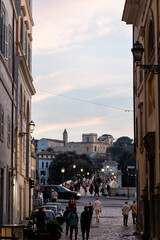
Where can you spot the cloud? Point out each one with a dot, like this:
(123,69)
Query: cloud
(65,25)
(52,126)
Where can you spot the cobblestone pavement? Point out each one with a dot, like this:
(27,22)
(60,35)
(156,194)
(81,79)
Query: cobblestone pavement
(111,220)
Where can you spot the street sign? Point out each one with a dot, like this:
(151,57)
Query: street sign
(131,167)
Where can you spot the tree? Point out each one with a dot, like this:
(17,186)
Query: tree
(127,159)
(66,161)
(124,141)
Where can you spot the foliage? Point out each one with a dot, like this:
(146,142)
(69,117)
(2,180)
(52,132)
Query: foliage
(123,152)
(124,141)
(66,161)
(128,176)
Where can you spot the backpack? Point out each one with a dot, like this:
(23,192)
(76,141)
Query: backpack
(71,217)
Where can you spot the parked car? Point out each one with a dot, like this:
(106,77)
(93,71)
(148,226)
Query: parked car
(51,207)
(60,210)
(59,215)
(65,193)
(50,215)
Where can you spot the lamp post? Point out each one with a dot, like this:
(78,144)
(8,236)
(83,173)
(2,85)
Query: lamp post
(137,52)
(74,168)
(81,175)
(31,129)
(87,173)
(102,170)
(107,171)
(62,171)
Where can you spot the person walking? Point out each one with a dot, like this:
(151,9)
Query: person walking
(96,189)
(134,211)
(125,212)
(85,223)
(39,219)
(65,214)
(73,222)
(40,198)
(90,208)
(98,208)
(91,189)
(54,195)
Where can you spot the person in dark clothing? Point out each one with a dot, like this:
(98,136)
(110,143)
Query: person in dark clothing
(73,222)
(39,219)
(96,190)
(90,208)
(85,223)
(91,189)
(65,214)
(72,203)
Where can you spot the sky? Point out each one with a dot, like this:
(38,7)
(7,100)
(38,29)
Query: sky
(82,69)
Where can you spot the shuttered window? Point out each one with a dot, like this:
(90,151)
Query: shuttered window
(18,6)
(10,55)
(1,122)
(9,132)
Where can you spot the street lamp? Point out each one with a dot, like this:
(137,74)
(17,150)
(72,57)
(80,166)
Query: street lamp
(62,171)
(81,175)
(107,170)
(74,167)
(137,52)
(87,173)
(102,170)
(31,129)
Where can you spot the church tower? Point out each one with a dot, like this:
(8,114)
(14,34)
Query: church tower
(65,137)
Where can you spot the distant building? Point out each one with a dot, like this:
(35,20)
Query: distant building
(106,138)
(45,143)
(44,159)
(90,145)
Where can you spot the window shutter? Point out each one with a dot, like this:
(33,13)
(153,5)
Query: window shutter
(0,26)
(10,52)
(3,33)
(18,6)
(6,42)
(1,122)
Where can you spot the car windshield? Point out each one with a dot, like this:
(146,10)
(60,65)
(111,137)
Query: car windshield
(59,208)
(49,215)
(53,208)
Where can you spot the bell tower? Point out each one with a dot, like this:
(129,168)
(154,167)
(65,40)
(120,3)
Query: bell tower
(65,137)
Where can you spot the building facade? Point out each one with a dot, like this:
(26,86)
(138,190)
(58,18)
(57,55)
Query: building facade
(45,143)
(144,15)
(16,87)
(90,145)
(44,159)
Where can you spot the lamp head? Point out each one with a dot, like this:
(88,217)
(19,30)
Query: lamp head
(31,126)
(137,51)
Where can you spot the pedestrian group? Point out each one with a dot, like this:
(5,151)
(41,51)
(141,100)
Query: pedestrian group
(71,217)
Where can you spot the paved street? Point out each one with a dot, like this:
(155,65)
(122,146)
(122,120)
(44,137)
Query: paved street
(111,220)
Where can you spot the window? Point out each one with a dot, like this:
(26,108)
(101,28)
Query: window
(1,123)
(4,33)
(18,6)
(87,149)
(9,133)
(42,164)
(87,139)
(46,164)
(10,57)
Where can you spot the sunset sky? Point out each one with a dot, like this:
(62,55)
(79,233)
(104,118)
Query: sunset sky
(82,69)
